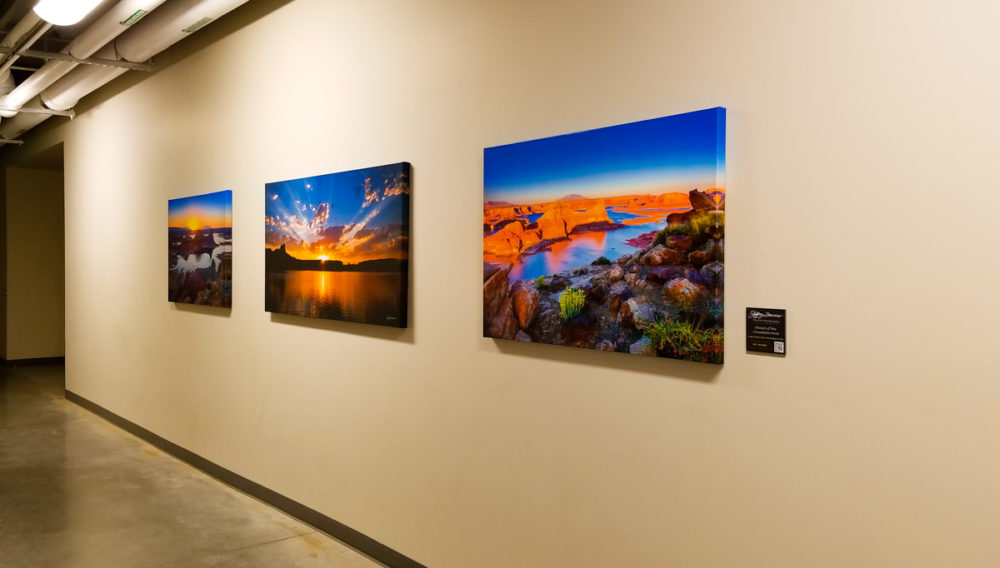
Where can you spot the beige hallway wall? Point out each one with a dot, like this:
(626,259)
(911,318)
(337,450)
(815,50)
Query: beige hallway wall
(862,198)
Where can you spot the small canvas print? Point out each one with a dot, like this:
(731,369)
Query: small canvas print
(200,259)
(610,239)
(337,245)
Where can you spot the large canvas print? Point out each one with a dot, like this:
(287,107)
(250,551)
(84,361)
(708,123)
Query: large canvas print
(337,245)
(200,249)
(610,239)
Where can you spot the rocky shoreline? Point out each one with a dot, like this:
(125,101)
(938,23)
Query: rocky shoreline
(665,300)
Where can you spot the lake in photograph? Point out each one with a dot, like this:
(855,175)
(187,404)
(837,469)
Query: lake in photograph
(580,249)
(364,297)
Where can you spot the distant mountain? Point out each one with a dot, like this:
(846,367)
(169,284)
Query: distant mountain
(498,204)
(571,197)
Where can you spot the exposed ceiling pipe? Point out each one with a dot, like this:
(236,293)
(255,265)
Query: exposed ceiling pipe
(174,21)
(13,127)
(109,26)
(6,83)
(6,79)
(18,7)
(25,32)
(167,26)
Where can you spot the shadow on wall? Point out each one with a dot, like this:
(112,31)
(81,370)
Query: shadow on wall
(404,335)
(203,310)
(667,368)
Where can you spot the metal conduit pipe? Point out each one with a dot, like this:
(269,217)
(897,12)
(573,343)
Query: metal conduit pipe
(173,22)
(6,83)
(25,32)
(13,127)
(13,41)
(109,26)
(16,7)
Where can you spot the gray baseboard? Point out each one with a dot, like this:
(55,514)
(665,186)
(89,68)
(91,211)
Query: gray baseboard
(336,529)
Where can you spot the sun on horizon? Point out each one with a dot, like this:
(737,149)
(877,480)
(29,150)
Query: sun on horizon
(200,211)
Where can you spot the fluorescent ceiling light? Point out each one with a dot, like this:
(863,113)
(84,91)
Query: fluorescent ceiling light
(64,12)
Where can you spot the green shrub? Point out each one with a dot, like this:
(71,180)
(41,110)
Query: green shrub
(601,261)
(684,340)
(540,283)
(700,228)
(571,303)
(684,229)
(678,336)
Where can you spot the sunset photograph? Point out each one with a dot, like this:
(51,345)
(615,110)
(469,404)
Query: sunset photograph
(609,239)
(200,250)
(337,245)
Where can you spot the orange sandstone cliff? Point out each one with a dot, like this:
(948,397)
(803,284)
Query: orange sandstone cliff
(558,220)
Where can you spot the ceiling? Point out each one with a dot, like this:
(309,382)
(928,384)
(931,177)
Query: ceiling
(56,38)
(53,41)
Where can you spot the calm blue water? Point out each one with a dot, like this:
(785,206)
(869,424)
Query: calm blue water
(621,216)
(583,249)
(579,250)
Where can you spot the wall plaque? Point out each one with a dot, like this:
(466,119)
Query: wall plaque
(766,331)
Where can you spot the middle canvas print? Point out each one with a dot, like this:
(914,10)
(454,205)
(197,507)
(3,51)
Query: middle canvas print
(337,245)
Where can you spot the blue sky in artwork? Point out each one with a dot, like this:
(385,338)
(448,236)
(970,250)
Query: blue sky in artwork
(673,153)
(349,216)
(196,211)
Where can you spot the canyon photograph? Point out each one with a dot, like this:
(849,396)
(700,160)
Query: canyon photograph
(610,239)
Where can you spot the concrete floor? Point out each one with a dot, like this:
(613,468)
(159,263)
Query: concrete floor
(77,492)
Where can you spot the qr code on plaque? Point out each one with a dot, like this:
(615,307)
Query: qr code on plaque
(779,346)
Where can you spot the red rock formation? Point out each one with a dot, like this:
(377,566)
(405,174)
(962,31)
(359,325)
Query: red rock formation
(615,273)
(701,201)
(678,219)
(526,298)
(494,289)
(661,255)
(494,214)
(504,324)
(552,223)
(489,269)
(673,200)
(510,240)
(636,203)
(712,250)
(682,243)
(593,218)
(684,292)
(561,218)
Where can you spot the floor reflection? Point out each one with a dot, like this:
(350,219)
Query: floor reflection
(76,492)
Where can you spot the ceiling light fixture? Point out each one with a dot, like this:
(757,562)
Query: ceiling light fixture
(64,12)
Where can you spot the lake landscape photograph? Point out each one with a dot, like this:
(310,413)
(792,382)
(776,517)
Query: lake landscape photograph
(200,249)
(337,245)
(610,239)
